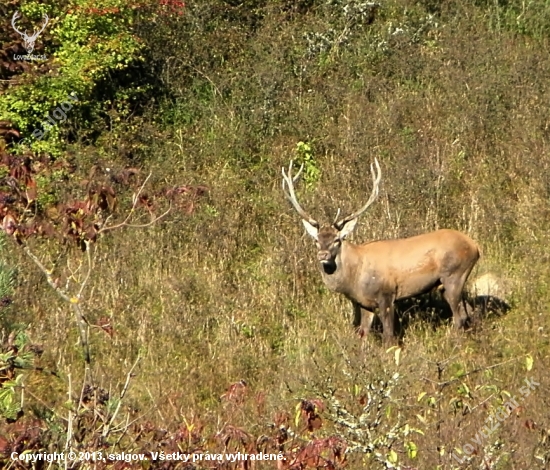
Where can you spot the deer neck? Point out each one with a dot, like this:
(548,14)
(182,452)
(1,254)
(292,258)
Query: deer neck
(338,276)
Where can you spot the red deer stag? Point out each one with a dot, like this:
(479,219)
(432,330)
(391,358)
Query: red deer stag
(378,273)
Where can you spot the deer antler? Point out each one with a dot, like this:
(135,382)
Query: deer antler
(376,177)
(14,18)
(46,20)
(288,182)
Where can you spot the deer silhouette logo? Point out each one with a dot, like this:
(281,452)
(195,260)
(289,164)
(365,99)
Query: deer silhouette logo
(28,41)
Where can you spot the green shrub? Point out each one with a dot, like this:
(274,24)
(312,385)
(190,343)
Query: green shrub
(90,49)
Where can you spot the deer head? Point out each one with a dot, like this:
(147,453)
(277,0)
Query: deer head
(328,237)
(28,41)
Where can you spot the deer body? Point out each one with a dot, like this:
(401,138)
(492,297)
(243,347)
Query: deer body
(375,274)
(406,267)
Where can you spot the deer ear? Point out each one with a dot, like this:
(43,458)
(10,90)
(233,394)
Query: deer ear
(347,229)
(311,229)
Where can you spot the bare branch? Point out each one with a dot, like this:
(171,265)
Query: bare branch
(73,301)
(48,275)
(148,224)
(135,201)
(83,328)
(107,428)
(71,416)
(90,266)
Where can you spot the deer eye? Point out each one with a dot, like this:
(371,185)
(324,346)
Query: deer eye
(337,242)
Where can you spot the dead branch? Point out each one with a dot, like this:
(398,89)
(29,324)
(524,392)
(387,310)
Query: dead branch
(135,201)
(108,427)
(73,301)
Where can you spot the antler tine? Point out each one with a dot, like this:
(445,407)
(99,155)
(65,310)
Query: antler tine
(288,183)
(337,215)
(376,177)
(297,174)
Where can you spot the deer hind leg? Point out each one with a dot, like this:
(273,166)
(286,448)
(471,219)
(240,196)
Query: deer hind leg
(362,319)
(453,294)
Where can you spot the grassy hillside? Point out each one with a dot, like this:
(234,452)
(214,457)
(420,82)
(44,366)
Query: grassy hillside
(239,345)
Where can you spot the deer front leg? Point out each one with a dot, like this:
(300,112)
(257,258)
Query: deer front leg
(362,319)
(387,316)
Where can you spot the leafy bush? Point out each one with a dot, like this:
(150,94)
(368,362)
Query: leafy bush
(91,51)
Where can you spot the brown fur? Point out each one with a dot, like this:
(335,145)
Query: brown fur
(376,274)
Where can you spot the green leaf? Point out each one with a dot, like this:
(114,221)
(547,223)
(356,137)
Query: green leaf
(412,450)
(529,362)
